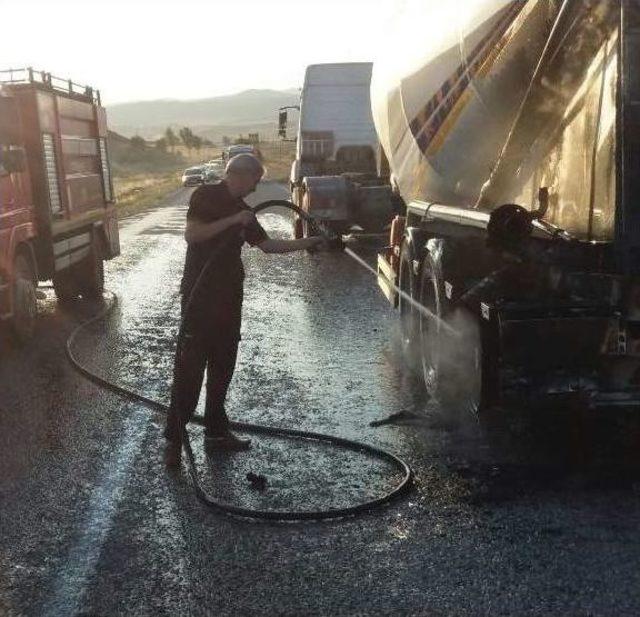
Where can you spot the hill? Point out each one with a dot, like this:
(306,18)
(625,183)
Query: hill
(248,111)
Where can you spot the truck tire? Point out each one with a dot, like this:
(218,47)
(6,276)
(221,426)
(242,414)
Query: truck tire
(65,285)
(91,272)
(84,279)
(25,307)
(408,315)
(452,366)
(307,230)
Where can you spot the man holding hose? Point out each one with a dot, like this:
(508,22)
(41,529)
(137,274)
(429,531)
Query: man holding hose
(218,220)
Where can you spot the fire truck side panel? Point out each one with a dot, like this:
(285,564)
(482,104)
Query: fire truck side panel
(66,144)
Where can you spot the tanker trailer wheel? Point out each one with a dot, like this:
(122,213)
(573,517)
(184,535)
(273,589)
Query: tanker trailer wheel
(307,230)
(91,272)
(408,317)
(24,299)
(451,365)
(296,198)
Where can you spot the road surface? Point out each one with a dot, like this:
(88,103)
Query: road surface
(91,523)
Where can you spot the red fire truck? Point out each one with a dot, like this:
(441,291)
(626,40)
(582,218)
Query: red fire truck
(57,213)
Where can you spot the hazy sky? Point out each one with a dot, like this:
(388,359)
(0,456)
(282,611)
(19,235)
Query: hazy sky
(148,49)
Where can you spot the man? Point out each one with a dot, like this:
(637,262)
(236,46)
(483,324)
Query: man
(217,220)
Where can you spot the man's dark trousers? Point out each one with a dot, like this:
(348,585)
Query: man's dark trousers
(210,343)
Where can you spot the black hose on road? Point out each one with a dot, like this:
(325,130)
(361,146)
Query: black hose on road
(229,509)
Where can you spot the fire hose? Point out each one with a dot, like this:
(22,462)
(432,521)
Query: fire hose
(229,509)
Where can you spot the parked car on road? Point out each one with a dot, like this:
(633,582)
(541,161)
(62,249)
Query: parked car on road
(193,176)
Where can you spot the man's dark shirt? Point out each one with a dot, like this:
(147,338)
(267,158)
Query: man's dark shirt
(220,292)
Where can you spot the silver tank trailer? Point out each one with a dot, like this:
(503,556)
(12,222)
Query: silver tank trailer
(485,108)
(470,119)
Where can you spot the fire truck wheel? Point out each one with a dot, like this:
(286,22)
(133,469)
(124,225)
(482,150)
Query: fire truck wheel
(65,285)
(91,272)
(24,295)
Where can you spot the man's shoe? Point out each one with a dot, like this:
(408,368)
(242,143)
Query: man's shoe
(226,441)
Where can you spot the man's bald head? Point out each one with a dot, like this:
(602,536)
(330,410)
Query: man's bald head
(244,164)
(242,174)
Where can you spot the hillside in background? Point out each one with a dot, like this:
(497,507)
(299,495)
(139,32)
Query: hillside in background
(248,111)
(126,159)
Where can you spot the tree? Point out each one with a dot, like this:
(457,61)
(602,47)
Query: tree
(226,140)
(171,138)
(138,143)
(161,144)
(187,136)
(196,142)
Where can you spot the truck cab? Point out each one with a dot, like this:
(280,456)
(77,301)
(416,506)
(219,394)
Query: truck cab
(336,152)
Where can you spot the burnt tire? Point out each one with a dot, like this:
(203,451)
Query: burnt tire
(452,364)
(25,306)
(409,318)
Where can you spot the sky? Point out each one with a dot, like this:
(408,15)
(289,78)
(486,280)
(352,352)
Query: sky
(188,49)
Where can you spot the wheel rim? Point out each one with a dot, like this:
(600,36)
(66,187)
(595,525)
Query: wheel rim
(407,316)
(430,333)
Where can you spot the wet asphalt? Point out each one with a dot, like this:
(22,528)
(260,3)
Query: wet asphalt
(536,521)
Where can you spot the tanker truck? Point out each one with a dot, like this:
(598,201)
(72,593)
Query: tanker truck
(512,135)
(57,209)
(335,175)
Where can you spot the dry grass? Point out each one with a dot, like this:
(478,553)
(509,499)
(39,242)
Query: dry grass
(193,157)
(139,192)
(136,191)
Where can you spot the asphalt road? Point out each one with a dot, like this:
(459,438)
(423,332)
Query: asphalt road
(91,523)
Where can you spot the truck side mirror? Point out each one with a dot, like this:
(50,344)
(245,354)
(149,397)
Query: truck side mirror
(13,161)
(282,124)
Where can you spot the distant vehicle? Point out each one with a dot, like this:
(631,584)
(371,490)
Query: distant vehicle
(57,212)
(336,151)
(213,171)
(236,149)
(193,176)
